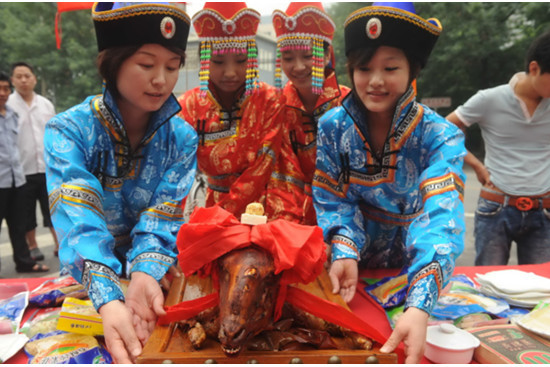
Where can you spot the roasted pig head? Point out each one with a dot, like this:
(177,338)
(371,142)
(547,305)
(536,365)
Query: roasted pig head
(248,291)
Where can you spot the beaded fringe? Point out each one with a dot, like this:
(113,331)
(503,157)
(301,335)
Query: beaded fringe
(217,47)
(315,45)
(204,72)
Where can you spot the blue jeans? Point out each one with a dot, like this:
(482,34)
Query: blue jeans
(496,226)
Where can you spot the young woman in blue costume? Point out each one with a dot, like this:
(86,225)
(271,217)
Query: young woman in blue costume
(388,187)
(118,167)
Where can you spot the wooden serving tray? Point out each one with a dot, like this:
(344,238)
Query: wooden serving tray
(168,344)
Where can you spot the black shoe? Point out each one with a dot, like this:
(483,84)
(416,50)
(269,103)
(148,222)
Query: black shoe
(36,268)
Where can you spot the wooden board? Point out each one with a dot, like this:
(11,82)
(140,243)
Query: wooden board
(169,344)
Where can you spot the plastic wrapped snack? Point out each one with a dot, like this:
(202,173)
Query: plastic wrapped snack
(11,312)
(79,316)
(53,292)
(43,323)
(63,348)
(463,298)
(389,292)
(538,320)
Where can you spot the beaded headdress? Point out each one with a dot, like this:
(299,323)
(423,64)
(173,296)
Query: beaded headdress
(227,28)
(395,25)
(303,26)
(134,24)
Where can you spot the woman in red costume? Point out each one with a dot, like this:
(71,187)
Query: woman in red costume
(239,119)
(304,53)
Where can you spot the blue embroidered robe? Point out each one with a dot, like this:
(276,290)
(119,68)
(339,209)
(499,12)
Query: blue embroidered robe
(400,208)
(114,209)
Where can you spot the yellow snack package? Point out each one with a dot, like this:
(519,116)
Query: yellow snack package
(80,317)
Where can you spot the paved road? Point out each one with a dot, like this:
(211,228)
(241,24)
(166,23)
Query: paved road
(45,240)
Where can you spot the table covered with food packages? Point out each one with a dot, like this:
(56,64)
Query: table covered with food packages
(489,314)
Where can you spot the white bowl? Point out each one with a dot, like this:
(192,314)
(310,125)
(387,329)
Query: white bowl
(445,343)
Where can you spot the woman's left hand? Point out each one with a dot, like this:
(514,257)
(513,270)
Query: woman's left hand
(145,300)
(120,337)
(343,275)
(411,328)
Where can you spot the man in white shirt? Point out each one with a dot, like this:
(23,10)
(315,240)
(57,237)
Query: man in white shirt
(12,181)
(514,203)
(34,111)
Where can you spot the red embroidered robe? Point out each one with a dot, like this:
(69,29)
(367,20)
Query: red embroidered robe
(239,149)
(303,131)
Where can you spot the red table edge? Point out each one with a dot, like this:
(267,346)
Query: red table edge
(362,304)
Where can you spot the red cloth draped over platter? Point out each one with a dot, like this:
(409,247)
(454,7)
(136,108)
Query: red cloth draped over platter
(298,252)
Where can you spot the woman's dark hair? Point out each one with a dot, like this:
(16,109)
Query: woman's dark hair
(362,56)
(326,53)
(110,60)
(326,47)
(5,78)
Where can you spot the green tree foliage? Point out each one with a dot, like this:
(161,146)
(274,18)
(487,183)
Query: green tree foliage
(539,14)
(65,76)
(478,48)
(482,45)
(339,11)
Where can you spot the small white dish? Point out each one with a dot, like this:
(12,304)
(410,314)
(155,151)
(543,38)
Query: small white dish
(447,344)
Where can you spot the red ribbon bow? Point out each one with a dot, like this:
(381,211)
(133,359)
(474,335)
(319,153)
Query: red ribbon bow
(298,250)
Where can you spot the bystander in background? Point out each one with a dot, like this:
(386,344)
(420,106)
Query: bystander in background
(12,180)
(515,197)
(34,112)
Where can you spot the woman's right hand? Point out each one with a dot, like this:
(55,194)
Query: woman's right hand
(120,335)
(344,274)
(145,301)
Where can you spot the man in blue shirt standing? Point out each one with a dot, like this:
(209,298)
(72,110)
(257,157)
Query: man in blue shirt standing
(11,181)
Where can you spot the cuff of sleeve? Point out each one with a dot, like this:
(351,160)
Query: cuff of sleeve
(343,248)
(425,288)
(102,284)
(152,263)
(462,118)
